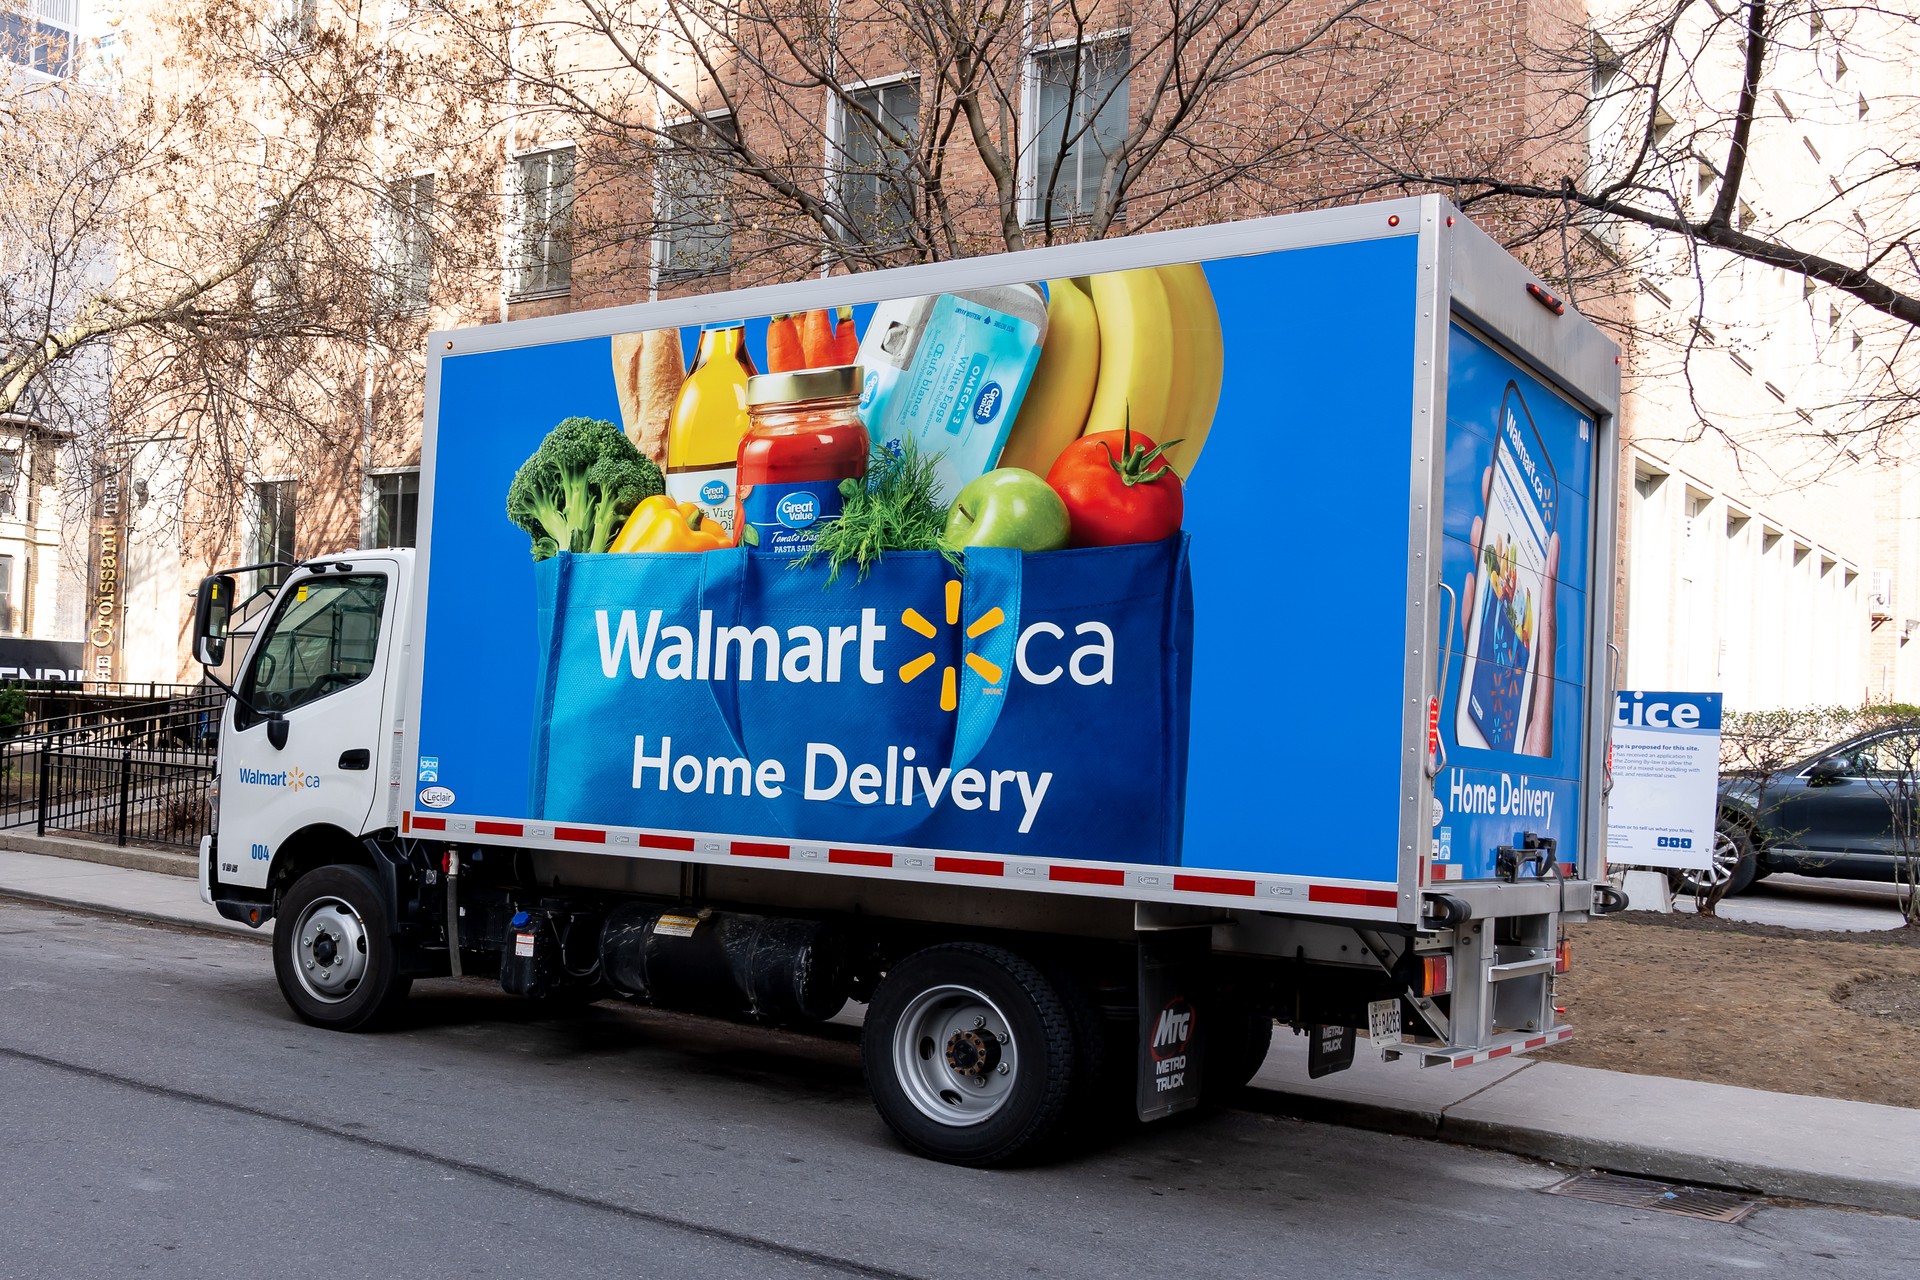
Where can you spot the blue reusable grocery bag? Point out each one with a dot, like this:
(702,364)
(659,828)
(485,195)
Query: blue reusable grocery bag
(1036,705)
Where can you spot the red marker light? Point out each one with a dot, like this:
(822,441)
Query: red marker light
(1393,219)
(1546,299)
(1433,726)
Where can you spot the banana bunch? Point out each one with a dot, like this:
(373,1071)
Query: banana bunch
(1140,347)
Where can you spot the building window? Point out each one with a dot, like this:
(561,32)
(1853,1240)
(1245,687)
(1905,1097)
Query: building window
(396,509)
(1079,113)
(273,510)
(406,242)
(40,36)
(696,216)
(879,132)
(6,596)
(9,483)
(543,217)
(290,25)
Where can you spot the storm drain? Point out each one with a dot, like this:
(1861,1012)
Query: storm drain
(1661,1197)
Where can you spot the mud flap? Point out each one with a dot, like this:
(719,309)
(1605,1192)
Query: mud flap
(1329,1049)
(1173,974)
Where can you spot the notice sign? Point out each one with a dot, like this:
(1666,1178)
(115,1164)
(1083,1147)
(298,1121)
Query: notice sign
(1666,768)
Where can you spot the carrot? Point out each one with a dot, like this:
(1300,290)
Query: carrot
(783,345)
(846,343)
(816,338)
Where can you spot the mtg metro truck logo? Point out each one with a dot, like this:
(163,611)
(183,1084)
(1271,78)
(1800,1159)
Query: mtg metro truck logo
(1172,1037)
(290,779)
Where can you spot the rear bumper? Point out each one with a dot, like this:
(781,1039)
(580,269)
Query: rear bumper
(1506,1046)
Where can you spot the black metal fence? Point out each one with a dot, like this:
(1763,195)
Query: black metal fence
(140,773)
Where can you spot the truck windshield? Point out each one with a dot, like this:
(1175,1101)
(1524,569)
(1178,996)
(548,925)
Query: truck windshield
(323,638)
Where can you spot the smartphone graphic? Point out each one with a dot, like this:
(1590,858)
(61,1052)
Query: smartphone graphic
(1496,682)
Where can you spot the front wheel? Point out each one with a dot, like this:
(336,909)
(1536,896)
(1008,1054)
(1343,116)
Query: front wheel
(970,1054)
(1733,864)
(335,961)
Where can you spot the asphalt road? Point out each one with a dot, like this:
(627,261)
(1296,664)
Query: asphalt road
(165,1115)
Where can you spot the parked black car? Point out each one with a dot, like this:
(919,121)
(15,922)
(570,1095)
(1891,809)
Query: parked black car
(1830,814)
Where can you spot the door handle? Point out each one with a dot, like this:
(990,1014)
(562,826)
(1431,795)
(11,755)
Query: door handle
(358,758)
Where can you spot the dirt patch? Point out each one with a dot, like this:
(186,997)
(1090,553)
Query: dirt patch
(1896,997)
(1752,1005)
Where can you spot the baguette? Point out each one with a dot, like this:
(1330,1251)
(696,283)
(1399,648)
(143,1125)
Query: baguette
(648,369)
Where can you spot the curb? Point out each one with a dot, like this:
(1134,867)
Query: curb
(129,857)
(1595,1153)
(207,927)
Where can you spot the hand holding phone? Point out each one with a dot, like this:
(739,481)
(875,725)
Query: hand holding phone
(1509,596)
(1537,739)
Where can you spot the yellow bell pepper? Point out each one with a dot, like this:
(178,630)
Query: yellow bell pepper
(661,524)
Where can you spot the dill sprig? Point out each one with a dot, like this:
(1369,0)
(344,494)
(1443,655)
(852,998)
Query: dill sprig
(896,506)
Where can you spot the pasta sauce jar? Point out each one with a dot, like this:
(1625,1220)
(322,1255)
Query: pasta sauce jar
(805,437)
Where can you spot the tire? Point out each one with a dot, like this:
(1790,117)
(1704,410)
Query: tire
(971,1055)
(1102,1100)
(1235,1051)
(336,963)
(1734,862)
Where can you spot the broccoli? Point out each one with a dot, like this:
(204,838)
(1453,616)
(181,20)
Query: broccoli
(580,486)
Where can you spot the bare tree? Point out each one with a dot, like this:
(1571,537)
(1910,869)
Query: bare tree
(1686,143)
(824,134)
(197,245)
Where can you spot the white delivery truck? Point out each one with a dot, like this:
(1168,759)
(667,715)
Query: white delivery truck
(1260,679)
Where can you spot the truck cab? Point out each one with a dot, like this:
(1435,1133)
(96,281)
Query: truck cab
(308,742)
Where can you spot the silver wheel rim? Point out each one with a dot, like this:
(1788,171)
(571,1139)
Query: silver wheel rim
(1720,867)
(955,1055)
(330,949)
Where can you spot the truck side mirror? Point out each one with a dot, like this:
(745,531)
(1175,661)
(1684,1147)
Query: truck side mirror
(212,608)
(1828,771)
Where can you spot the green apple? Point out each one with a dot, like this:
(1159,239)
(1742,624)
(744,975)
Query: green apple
(1009,507)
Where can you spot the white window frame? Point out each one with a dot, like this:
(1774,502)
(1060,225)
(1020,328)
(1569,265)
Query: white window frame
(837,133)
(392,244)
(517,228)
(255,526)
(1031,214)
(370,518)
(36,20)
(662,242)
(289,26)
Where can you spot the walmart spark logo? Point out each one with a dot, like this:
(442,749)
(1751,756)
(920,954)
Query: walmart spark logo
(949,676)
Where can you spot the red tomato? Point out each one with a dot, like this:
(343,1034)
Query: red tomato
(1117,489)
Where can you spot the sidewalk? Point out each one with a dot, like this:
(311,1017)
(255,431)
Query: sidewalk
(1823,1149)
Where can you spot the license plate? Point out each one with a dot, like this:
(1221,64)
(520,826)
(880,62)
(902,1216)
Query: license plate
(1383,1021)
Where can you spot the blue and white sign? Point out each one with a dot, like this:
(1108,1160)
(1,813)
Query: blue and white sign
(1666,767)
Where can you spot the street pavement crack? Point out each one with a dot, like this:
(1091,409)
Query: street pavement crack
(759,1244)
(1461,1102)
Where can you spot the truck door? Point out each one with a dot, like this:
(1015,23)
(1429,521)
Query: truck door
(319,662)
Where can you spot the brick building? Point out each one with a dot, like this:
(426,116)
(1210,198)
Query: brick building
(590,177)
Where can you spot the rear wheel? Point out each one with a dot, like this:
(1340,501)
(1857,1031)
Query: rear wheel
(335,961)
(970,1054)
(1236,1050)
(1733,864)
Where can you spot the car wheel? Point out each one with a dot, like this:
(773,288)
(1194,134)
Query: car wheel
(1733,864)
(336,963)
